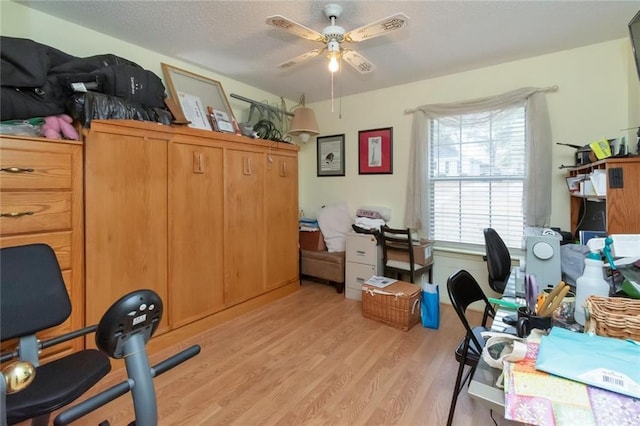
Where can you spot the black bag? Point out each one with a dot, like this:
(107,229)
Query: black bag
(36,79)
(28,90)
(132,84)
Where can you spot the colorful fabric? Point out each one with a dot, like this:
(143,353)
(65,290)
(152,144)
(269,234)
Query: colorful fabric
(538,398)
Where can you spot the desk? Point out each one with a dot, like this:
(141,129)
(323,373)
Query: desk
(562,402)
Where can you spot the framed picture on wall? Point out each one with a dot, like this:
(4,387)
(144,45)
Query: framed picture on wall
(375,151)
(330,155)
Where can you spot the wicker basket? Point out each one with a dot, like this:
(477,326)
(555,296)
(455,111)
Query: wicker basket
(397,305)
(613,317)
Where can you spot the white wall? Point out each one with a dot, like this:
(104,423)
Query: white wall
(634,100)
(596,98)
(22,22)
(592,102)
(599,95)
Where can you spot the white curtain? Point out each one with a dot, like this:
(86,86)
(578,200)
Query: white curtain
(538,144)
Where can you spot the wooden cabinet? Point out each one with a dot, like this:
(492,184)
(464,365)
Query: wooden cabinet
(126,214)
(617,212)
(281,219)
(208,220)
(244,225)
(41,196)
(196,224)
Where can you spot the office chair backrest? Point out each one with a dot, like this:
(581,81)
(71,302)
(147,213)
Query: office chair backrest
(34,296)
(498,260)
(464,290)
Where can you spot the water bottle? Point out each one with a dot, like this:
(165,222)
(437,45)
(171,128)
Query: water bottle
(591,283)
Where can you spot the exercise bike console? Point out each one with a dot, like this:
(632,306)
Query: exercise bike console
(123,332)
(136,313)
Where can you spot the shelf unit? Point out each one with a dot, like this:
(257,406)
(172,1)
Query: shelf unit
(620,205)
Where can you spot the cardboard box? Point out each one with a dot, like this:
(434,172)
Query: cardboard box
(312,240)
(397,304)
(422,253)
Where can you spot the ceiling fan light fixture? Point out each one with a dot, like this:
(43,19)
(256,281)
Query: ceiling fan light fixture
(333,46)
(333,35)
(334,61)
(303,124)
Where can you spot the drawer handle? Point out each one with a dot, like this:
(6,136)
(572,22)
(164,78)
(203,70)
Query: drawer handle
(17,170)
(360,251)
(16,214)
(360,280)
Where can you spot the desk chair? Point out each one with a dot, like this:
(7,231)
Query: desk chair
(35,298)
(398,242)
(498,260)
(464,290)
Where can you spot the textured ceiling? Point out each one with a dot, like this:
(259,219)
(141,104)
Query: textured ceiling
(443,37)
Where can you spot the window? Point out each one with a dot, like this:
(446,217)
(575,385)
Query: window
(477,176)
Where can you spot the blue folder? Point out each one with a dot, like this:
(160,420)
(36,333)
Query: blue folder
(604,362)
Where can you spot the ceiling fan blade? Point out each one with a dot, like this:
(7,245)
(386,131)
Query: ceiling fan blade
(378,28)
(302,58)
(294,28)
(359,62)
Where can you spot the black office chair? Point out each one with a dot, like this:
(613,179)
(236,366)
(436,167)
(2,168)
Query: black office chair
(464,290)
(498,260)
(35,298)
(399,241)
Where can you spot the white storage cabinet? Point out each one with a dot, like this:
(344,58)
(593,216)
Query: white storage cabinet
(363,260)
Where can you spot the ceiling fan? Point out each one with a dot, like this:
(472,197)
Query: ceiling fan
(333,36)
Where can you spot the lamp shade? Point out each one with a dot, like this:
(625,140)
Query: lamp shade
(303,123)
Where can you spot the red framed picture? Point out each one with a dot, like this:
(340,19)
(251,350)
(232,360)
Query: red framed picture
(375,151)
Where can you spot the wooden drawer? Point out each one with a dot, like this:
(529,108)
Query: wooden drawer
(35,212)
(60,242)
(34,170)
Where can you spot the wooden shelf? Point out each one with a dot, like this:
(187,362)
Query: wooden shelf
(622,203)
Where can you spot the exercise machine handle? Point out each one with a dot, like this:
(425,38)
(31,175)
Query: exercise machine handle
(175,360)
(106,396)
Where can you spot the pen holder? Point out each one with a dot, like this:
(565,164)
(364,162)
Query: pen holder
(564,312)
(527,321)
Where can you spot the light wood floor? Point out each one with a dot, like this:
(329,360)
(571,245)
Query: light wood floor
(310,358)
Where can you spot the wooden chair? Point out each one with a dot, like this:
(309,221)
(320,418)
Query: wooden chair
(398,257)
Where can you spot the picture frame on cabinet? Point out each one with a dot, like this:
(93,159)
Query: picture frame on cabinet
(330,155)
(195,95)
(375,151)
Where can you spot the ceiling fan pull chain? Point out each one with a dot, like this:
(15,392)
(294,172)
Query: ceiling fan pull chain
(332,92)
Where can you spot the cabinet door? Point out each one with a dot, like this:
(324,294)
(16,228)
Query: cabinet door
(196,233)
(245,225)
(281,214)
(126,217)
(623,201)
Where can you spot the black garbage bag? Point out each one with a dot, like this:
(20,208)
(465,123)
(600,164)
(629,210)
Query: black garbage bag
(89,106)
